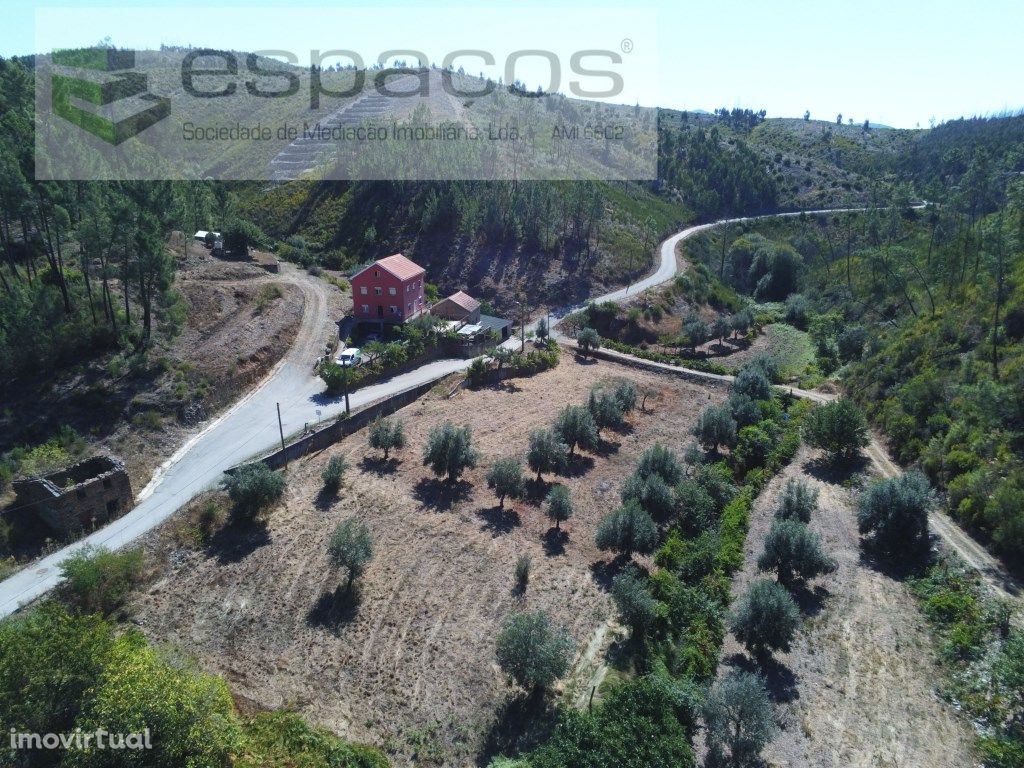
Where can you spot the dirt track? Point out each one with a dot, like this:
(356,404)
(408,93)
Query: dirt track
(858,687)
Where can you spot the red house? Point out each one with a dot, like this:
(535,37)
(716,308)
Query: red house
(389,290)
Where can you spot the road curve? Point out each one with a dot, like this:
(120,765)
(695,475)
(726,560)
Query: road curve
(250,426)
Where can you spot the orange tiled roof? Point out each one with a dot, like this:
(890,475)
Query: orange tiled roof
(465,301)
(400,267)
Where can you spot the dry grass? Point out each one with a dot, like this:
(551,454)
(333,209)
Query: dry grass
(409,664)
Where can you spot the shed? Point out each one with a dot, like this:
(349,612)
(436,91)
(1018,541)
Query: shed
(459,306)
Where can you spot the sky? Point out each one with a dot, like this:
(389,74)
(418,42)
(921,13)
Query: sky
(894,63)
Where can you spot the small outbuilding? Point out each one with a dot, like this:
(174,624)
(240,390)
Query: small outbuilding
(459,306)
(89,493)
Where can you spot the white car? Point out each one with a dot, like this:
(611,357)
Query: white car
(350,357)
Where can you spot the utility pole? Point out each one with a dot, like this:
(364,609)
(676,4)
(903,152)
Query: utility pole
(345,380)
(280,428)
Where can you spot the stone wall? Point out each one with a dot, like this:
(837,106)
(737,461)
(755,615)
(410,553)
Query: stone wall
(80,497)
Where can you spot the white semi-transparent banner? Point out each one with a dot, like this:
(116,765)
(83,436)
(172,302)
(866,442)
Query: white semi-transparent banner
(346,93)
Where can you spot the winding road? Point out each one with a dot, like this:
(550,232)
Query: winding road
(250,427)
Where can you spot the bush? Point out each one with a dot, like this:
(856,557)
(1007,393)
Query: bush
(793,551)
(798,501)
(97,580)
(387,435)
(637,609)
(743,409)
(522,572)
(753,447)
(644,723)
(505,478)
(532,651)
(575,427)
(351,548)
(190,715)
(892,515)
(740,720)
(695,507)
(627,530)
(547,452)
(587,340)
(838,428)
(765,619)
(333,473)
(252,488)
(798,310)
(558,505)
(851,343)
(715,428)
(449,451)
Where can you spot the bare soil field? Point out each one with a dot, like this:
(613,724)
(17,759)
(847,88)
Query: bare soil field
(859,685)
(410,663)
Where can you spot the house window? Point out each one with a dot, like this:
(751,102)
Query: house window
(392,292)
(376,273)
(394,309)
(362,291)
(366,309)
(378,290)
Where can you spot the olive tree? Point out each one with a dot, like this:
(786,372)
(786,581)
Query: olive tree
(252,488)
(533,651)
(587,340)
(721,328)
(558,505)
(740,720)
(605,409)
(892,515)
(505,477)
(798,501)
(715,428)
(754,382)
(333,473)
(765,619)
(576,428)
(794,552)
(696,331)
(627,530)
(450,451)
(838,428)
(387,435)
(659,460)
(351,548)
(741,322)
(652,493)
(546,452)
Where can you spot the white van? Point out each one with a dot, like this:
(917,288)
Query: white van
(350,357)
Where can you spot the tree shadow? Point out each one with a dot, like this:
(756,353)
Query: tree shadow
(510,387)
(554,541)
(537,490)
(578,465)
(326,498)
(607,448)
(585,360)
(378,465)
(826,471)
(779,679)
(520,725)
(333,610)
(237,540)
(499,521)
(440,495)
(913,564)
(810,600)
(604,571)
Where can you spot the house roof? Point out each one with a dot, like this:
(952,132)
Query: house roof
(465,301)
(397,265)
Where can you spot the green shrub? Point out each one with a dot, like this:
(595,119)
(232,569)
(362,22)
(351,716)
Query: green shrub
(333,473)
(252,488)
(838,428)
(532,651)
(522,572)
(97,580)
